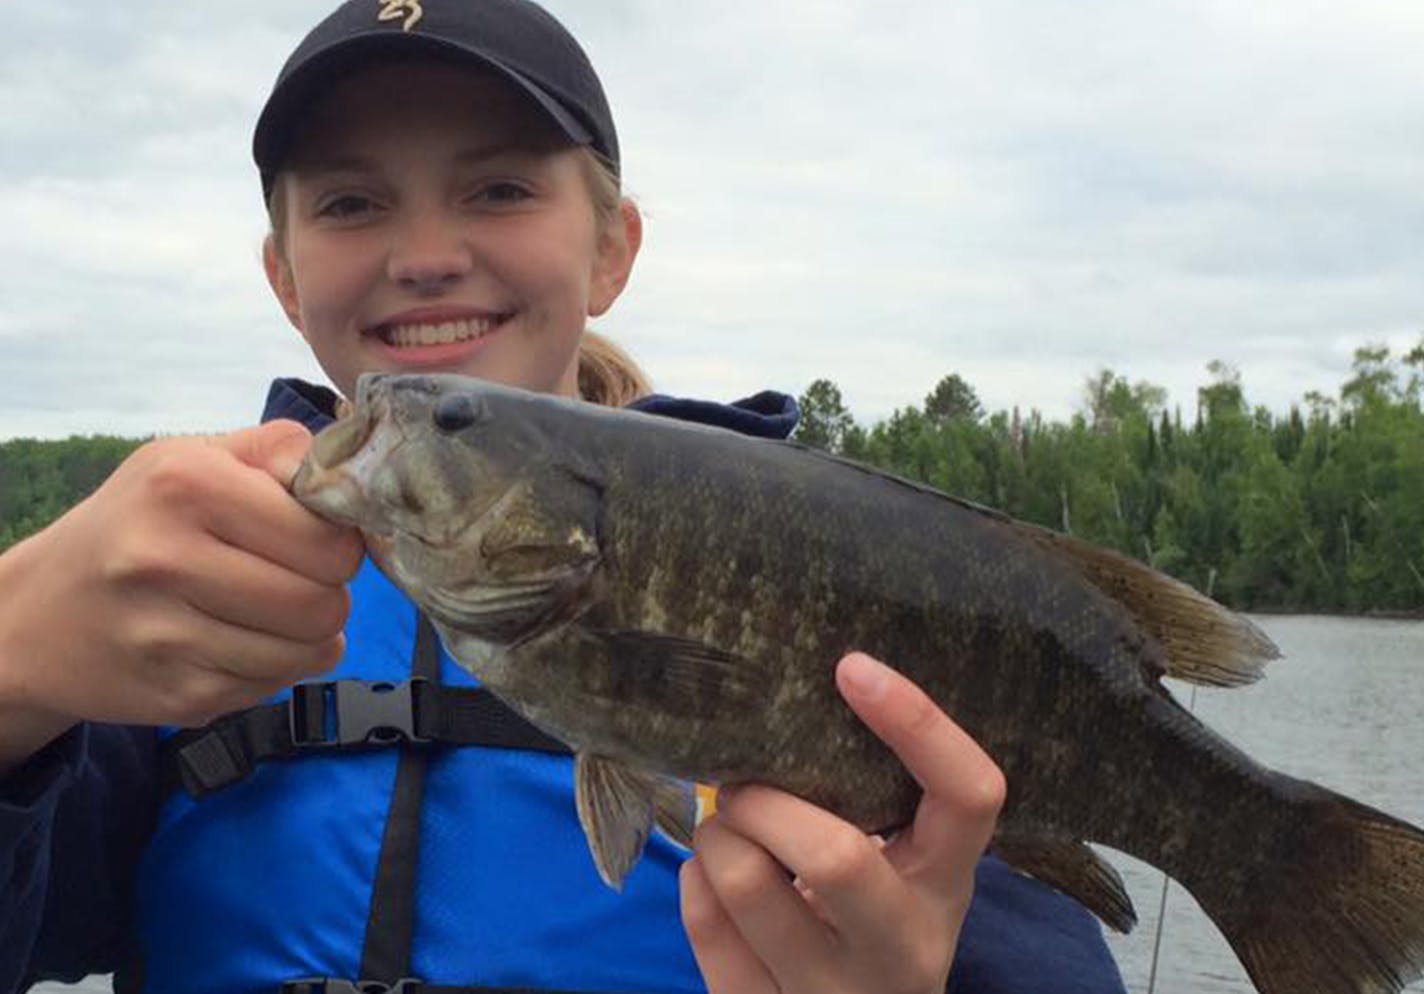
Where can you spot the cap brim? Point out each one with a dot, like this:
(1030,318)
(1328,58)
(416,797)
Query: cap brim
(294,93)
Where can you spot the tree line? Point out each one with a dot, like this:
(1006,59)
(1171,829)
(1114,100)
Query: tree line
(41,480)
(1318,510)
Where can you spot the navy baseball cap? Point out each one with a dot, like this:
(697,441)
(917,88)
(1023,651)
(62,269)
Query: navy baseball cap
(517,39)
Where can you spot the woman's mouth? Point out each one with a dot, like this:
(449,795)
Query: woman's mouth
(427,333)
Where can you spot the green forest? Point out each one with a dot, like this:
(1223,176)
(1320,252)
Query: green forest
(39,481)
(1316,510)
(1319,510)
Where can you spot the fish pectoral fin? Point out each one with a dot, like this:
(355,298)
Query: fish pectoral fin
(684,676)
(618,806)
(1073,868)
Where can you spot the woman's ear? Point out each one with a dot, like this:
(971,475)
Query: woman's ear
(617,250)
(280,279)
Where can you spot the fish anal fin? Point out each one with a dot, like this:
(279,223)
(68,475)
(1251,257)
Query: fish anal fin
(618,806)
(1075,869)
(1203,641)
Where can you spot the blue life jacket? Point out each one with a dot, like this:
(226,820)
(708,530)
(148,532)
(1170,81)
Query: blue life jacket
(284,876)
(271,878)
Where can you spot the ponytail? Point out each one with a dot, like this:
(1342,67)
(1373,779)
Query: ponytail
(607,375)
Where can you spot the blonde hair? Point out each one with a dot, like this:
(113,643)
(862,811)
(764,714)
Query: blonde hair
(607,375)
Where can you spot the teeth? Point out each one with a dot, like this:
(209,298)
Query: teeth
(408,335)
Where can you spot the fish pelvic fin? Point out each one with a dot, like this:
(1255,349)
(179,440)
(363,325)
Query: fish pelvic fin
(1075,869)
(675,810)
(1346,916)
(618,806)
(1203,642)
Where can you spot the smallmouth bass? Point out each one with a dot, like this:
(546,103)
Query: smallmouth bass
(670,600)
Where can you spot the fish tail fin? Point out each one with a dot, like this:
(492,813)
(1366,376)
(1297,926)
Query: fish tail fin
(1340,910)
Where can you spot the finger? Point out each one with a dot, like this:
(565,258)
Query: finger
(277,448)
(268,659)
(727,962)
(253,510)
(963,788)
(252,593)
(855,887)
(193,640)
(766,908)
(187,683)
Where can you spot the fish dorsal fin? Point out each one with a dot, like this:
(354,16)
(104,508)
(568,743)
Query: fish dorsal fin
(1203,642)
(618,806)
(1075,869)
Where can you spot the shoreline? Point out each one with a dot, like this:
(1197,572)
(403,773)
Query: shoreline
(1376,614)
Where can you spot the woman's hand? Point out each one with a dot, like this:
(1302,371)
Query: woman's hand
(188,585)
(859,916)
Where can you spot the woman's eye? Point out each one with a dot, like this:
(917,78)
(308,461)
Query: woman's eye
(345,207)
(502,194)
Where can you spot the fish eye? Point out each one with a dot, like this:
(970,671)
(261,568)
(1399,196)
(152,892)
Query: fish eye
(458,411)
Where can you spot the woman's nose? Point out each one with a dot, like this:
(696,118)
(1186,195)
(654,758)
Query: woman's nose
(430,254)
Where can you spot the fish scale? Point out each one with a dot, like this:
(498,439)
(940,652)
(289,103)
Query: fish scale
(671,601)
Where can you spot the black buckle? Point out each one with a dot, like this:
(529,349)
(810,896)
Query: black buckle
(327,985)
(367,712)
(208,763)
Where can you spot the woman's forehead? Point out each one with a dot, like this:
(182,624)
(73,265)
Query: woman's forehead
(474,104)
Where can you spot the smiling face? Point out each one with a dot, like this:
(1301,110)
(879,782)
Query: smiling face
(431,218)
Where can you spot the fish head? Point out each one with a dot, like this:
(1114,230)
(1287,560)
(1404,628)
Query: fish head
(464,490)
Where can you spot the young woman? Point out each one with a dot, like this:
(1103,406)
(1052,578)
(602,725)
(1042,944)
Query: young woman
(443,183)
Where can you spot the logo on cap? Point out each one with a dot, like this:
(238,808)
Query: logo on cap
(393,9)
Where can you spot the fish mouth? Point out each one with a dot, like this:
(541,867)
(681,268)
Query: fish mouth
(343,438)
(327,480)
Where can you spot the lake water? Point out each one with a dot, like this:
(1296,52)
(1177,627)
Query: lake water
(1344,707)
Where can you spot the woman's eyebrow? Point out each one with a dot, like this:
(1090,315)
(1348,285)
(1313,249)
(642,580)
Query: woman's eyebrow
(483,153)
(338,163)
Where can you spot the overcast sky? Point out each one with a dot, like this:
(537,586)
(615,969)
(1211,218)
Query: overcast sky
(876,191)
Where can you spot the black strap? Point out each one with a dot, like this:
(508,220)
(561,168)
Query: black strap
(342,716)
(326,985)
(347,715)
(390,925)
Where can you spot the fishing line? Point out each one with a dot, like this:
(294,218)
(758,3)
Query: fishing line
(1162,904)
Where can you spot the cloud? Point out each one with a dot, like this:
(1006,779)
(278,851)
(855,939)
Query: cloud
(878,193)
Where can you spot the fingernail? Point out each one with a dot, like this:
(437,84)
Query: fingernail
(863,676)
